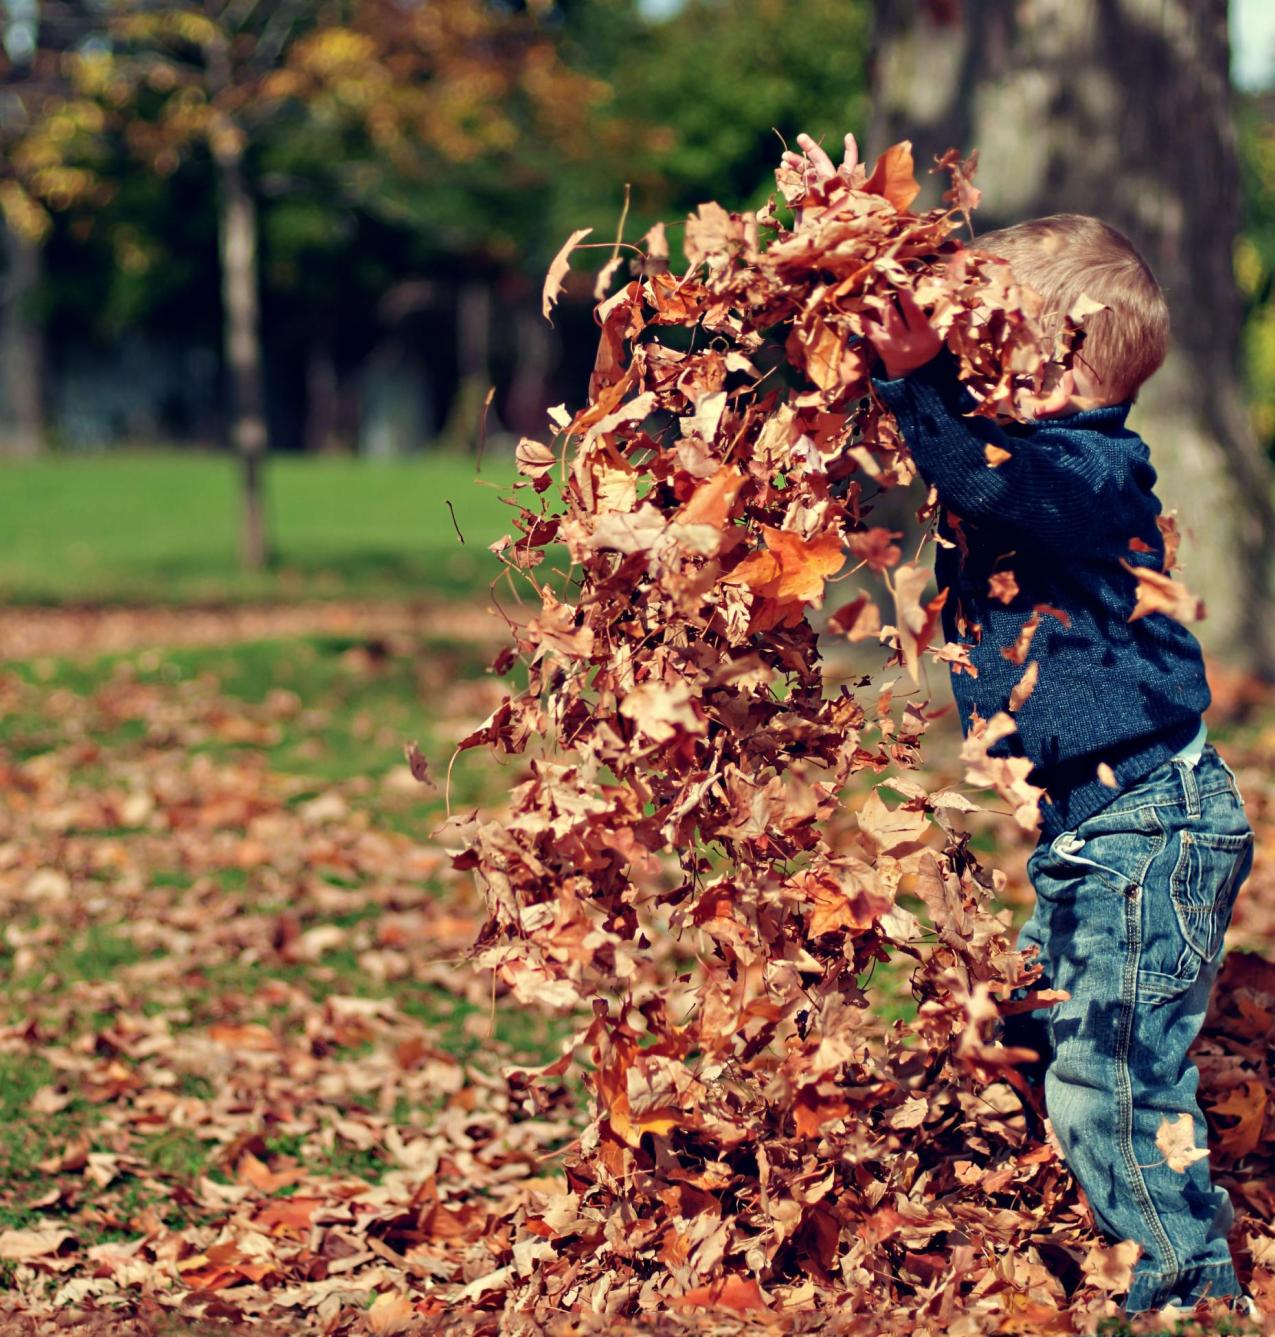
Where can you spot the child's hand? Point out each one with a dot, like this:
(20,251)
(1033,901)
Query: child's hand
(904,340)
(815,166)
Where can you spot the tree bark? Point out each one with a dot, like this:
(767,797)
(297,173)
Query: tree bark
(322,397)
(21,350)
(533,362)
(1121,109)
(473,366)
(242,341)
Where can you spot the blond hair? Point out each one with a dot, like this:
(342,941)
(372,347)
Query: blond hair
(1067,256)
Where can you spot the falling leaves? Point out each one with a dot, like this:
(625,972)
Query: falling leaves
(1003,587)
(558,268)
(692,778)
(790,569)
(917,622)
(1158,592)
(1175,1140)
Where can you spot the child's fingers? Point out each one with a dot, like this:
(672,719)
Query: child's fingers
(851,158)
(909,311)
(817,156)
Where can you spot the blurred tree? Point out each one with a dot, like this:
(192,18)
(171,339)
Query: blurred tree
(1255,256)
(1066,106)
(44,128)
(385,104)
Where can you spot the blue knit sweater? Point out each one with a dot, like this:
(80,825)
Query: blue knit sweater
(1059,514)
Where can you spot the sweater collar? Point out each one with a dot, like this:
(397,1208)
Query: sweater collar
(1110,417)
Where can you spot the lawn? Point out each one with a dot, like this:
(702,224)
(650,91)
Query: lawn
(234,987)
(163,527)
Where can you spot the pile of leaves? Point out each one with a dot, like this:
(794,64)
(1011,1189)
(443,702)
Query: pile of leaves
(711,850)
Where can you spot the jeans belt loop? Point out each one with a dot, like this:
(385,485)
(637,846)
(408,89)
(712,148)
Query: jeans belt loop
(1190,790)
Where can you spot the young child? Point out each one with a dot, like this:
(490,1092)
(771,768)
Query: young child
(1145,841)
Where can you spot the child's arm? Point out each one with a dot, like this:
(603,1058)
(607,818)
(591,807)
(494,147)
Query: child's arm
(1059,492)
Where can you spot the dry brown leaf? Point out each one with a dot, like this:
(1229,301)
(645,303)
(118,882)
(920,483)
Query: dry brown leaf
(1175,1140)
(1160,593)
(557,274)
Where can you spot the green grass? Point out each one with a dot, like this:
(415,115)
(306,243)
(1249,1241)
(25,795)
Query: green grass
(354,722)
(164,528)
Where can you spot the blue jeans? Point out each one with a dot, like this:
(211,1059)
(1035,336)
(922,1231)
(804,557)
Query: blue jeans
(1131,909)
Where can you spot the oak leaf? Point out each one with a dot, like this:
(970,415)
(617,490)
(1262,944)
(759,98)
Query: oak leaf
(1245,1104)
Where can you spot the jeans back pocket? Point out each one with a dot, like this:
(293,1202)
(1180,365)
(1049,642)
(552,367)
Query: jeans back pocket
(1209,871)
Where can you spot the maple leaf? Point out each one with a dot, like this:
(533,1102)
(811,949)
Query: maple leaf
(741,1294)
(417,764)
(790,569)
(859,620)
(1110,1266)
(1175,1140)
(391,1312)
(557,274)
(894,176)
(875,547)
(711,503)
(661,710)
(1024,687)
(533,459)
(20,1246)
(1006,775)
(1003,586)
(995,455)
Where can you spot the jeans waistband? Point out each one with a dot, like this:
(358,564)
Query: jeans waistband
(1076,791)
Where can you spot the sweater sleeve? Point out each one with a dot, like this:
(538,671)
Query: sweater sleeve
(1058,488)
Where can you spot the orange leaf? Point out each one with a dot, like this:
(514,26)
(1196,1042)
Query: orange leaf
(1003,586)
(894,176)
(287,1216)
(916,622)
(252,1171)
(250,1036)
(1160,593)
(1247,1105)
(711,502)
(391,1312)
(859,620)
(738,1293)
(791,569)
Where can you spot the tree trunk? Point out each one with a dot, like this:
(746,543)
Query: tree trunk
(21,350)
(322,397)
(473,367)
(533,361)
(1068,103)
(242,340)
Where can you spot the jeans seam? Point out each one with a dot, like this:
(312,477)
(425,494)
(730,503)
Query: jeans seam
(1154,805)
(1124,1086)
(1225,1265)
